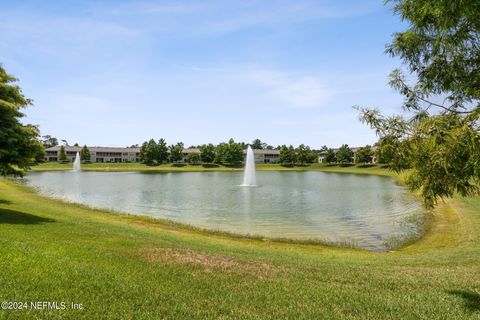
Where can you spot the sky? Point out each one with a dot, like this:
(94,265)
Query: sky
(116,73)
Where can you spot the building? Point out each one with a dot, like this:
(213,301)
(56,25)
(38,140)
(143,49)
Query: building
(97,154)
(108,154)
(264,156)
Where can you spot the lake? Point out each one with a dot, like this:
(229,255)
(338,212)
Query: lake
(364,210)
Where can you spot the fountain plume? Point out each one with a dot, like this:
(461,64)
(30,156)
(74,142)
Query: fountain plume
(76,163)
(249,179)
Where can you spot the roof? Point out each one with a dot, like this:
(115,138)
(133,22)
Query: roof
(95,149)
(263,151)
(191,150)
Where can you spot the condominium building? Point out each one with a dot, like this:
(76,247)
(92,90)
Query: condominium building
(264,156)
(97,154)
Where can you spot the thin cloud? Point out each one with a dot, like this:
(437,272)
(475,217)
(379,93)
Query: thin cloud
(295,91)
(222,17)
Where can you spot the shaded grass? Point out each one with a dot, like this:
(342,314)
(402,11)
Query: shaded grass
(130,268)
(18,217)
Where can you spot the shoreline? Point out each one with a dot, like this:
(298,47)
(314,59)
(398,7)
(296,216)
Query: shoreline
(373,170)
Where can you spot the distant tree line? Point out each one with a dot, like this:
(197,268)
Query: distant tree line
(225,153)
(346,155)
(154,152)
(300,155)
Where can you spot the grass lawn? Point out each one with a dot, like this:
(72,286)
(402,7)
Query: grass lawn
(124,267)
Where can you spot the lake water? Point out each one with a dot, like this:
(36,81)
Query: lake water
(365,210)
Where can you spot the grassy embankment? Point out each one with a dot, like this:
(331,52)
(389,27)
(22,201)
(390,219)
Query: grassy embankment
(122,267)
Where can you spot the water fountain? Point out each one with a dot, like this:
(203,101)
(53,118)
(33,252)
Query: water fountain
(249,179)
(76,163)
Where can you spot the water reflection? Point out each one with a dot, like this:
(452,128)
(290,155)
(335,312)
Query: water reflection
(302,205)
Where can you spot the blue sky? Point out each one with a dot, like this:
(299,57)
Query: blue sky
(116,73)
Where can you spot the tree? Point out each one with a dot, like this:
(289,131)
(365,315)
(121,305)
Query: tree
(19,144)
(161,149)
(85,154)
(62,156)
(65,143)
(330,156)
(221,151)
(364,154)
(193,158)
(176,152)
(40,153)
(312,156)
(49,141)
(234,154)
(301,154)
(386,149)
(143,152)
(287,155)
(207,153)
(344,154)
(258,144)
(439,141)
(149,152)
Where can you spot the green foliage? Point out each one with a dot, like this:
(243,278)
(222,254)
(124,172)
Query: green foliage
(444,151)
(364,155)
(85,154)
(258,144)
(143,152)
(39,153)
(344,154)
(62,155)
(235,152)
(162,151)
(19,145)
(220,152)
(194,158)
(48,141)
(301,154)
(386,149)
(330,156)
(176,152)
(312,156)
(152,152)
(438,141)
(441,47)
(149,151)
(287,155)
(230,153)
(207,153)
